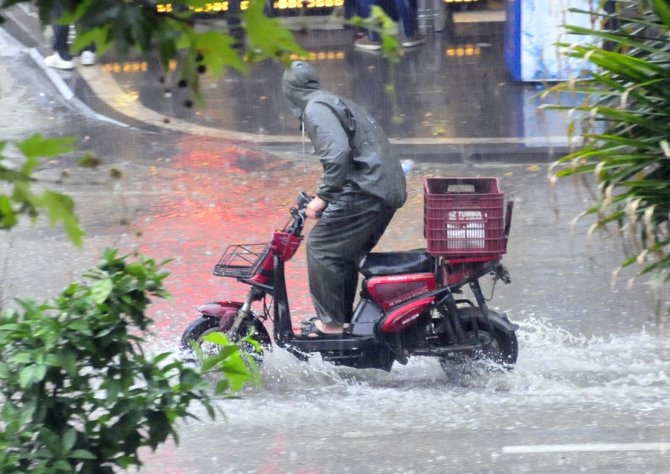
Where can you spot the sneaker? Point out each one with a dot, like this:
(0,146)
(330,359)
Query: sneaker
(87,58)
(367,44)
(57,62)
(415,40)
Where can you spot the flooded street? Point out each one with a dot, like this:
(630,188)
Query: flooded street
(589,391)
(589,396)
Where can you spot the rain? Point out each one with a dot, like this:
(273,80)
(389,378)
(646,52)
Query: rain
(590,389)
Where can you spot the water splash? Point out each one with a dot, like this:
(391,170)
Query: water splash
(581,383)
(624,374)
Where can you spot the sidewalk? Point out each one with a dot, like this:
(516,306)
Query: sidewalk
(454,102)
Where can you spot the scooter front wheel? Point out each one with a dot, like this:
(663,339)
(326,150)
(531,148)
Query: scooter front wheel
(204,325)
(197,329)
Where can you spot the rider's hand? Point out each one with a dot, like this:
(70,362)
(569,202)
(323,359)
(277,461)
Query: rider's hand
(314,208)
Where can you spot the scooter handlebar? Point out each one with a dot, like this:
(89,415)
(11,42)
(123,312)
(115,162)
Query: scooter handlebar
(304,199)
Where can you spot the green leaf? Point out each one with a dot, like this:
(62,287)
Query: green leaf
(62,466)
(136,269)
(37,146)
(209,362)
(266,37)
(21,358)
(70,17)
(69,438)
(218,51)
(81,454)
(11,327)
(217,338)
(8,218)
(52,360)
(627,97)
(161,357)
(222,386)
(159,428)
(126,426)
(662,9)
(51,440)
(98,36)
(103,384)
(60,208)
(113,387)
(101,290)
(31,374)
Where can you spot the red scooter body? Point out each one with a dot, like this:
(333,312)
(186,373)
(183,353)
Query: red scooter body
(406,306)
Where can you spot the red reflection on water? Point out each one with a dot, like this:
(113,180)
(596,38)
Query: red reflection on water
(221,195)
(279,459)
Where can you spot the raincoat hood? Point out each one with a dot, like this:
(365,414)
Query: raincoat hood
(300,81)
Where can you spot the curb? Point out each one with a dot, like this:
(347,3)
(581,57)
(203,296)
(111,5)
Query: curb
(67,92)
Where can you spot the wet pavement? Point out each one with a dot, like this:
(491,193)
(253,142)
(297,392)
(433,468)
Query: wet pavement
(456,85)
(454,99)
(589,392)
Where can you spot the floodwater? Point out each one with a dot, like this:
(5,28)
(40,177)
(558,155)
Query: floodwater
(589,391)
(567,389)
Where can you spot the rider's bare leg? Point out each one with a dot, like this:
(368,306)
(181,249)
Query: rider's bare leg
(327,328)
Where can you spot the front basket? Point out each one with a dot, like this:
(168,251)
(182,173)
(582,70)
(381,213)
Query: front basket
(241,261)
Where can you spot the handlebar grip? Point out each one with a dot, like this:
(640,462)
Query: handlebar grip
(303,199)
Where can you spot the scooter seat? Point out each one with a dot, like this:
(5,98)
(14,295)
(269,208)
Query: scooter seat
(395,263)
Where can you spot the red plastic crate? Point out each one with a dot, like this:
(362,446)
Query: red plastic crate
(464,218)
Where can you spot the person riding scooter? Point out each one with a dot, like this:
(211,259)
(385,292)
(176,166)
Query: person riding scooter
(360,189)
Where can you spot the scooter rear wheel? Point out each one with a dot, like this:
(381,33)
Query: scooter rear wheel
(501,348)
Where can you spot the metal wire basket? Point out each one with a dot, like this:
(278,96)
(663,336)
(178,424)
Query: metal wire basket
(241,261)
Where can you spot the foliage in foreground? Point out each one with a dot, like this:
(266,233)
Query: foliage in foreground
(168,31)
(626,123)
(23,200)
(79,394)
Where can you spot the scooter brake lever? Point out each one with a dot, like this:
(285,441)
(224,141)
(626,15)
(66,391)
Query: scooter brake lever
(303,199)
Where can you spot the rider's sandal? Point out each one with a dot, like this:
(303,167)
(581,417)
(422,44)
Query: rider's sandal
(312,331)
(308,321)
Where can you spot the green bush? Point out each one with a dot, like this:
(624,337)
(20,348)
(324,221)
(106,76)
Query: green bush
(78,392)
(626,123)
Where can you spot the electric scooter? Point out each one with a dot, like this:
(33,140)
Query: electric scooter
(411,303)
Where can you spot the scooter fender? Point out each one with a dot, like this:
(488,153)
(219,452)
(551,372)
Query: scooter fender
(502,322)
(406,315)
(224,311)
